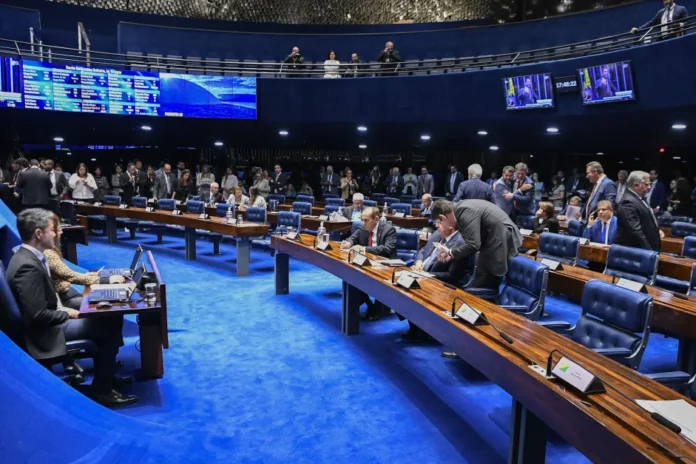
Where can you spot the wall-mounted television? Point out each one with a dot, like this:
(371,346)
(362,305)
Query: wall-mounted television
(10,83)
(530,91)
(607,83)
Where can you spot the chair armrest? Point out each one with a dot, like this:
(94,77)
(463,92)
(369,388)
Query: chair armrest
(516,308)
(613,352)
(555,325)
(673,379)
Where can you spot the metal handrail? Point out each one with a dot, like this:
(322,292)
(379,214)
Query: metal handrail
(202,65)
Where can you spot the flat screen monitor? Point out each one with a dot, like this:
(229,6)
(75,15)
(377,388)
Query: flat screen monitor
(10,83)
(196,96)
(607,83)
(530,91)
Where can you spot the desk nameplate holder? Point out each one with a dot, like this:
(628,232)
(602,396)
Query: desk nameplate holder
(292,235)
(399,215)
(323,217)
(123,206)
(407,281)
(149,209)
(323,246)
(526,232)
(98,203)
(361,260)
(631,285)
(583,241)
(577,377)
(553,265)
(176,212)
(203,216)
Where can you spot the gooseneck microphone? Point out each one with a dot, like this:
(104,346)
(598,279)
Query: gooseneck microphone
(393,277)
(502,334)
(456,298)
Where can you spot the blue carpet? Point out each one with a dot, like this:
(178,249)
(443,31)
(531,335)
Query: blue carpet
(271,378)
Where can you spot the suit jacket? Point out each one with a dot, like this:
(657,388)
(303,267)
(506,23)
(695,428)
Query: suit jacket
(550,223)
(451,272)
(146,187)
(458,179)
(392,188)
(501,188)
(37,300)
(487,229)
(330,185)
(426,185)
(606,190)
(35,186)
(386,240)
(426,212)
(658,197)
(128,188)
(636,224)
(523,202)
(572,188)
(678,14)
(217,198)
(474,189)
(278,186)
(61,182)
(160,188)
(599,234)
(348,212)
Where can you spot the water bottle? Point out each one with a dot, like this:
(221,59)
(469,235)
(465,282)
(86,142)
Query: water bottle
(321,230)
(383,219)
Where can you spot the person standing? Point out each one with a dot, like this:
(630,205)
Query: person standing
(557,196)
(349,186)
(229,182)
(102,185)
(410,183)
(129,184)
(185,187)
(523,192)
(390,59)
(636,223)
(82,184)
(278,182)
(669,14)
(330,181)
(116,181)
(34,185)
(165,182)
(657,196)
(373,181)
(261,182)
(426,183)
(502,191)
(603,188)
(539,188)
(204,181)
(474,188)
(59,186)
(394,184)
(621,185)
(453,180)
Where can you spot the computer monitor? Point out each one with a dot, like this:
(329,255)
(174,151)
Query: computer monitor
(530,91)
(606,83)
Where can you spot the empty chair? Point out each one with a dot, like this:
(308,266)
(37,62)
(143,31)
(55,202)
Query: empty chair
(222,208)
(166,204)
(133,224)
(302,208)
(258,215)
(370,203)
(575,228)
(390,200)
(112,200)
(198,207)
(676,285)
(98,221)
(525,287)
(634,264)
(305,198)
(416,203)
(401,208)
(406,198)
(329,209)
(689,248)
(683,229)
(407,245)
(557,247)
(377,197)
(289,219)
(274,196)
(669,220)
(615,322)
(336,202)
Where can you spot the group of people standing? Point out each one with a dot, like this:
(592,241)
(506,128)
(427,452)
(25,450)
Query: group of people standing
(294,64)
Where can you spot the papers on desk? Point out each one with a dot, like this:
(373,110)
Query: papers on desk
(526,232)
(336,216)
(572,212)
(679,412)
(391,262)
(413,274)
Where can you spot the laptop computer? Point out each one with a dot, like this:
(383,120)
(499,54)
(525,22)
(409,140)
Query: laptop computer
(123,271)
(116,292)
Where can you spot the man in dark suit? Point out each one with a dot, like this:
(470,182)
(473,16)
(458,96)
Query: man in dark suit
(485,228)
(390,58)
(330,181)
(636,223)
(47,323)
(354,212)
(59,184)
(278,181)
(474,188)
(213,196)
(165,183)
(603,188)
(34,185)
(355,67)
(129,184)
(657,196)
(454,178)
(523,192)
(375,238)
(670,13)
(576,186)
(426,205)
(394,183)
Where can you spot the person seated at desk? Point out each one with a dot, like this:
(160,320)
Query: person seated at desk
(47,323)
(375,238)
(574,201)
(544,220)
(238,198)
(354,213)
(602,228)
(255,198)
(185,187)
(212,196)
(63,276)
(426,205)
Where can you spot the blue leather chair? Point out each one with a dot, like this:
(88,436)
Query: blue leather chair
(439,198)
(305,198)
(406,198)
(336,202)
(195,207)
(689,249)
(575,228)
(472,267)
(331,195)
(112,200)
(198,207)
(328,209)
(166,204)
(669,220)
(277,197)
(377,197)
(98,221)
(615,322)
(683,229)
(676,285)
(302,207)
(407,245)
(140,202)
(390,200)
(524,222)
(634,264)
(258,215)
(525,288)
(692,283)
(356,225)
(222,208)
(401,208)
(558,247)
(370,203)
(289,219)
(195,197)
(416,203)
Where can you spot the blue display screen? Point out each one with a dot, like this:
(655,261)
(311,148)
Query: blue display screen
(607,83)
(10,83)
(82,89)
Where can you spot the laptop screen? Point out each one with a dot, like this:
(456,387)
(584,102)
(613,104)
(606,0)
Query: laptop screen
(139,275)
(136,258)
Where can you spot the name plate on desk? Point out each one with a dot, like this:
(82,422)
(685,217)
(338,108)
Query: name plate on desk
(399,215)
(631,285)
(323,246)
(577,376)
(97,203)
(292,235)
(203,216)
(123,206)
(553,265)
(232,220)
(176,212)
(149,209)
(470,315)
(584,241)
(323,217)
(407,281)
(361,260)
(526,232)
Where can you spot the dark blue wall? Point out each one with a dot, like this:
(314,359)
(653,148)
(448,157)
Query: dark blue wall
(436,44)
(662,80)
(15,23)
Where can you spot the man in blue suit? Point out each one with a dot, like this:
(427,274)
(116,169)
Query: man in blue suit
(670,13)
(603,228)
(502,190)
(657,196)
(474,188)
(603,188)
(523,192)
(454,178)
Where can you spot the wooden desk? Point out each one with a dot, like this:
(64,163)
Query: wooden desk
(670,266)
(152,320)
(72,235)
(313,222)
(412,222)
(190,222)
(602,426)
(669,244)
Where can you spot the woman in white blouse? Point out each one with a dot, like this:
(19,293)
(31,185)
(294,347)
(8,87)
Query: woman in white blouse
(255,198)
(82,184)
(229,182)
(331,66)
(205,179)
(238,198)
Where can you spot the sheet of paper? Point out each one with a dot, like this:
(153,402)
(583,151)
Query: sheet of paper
(572,212)
(678,411)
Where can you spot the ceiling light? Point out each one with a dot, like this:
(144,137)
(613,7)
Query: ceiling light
(531,156)
(600,153)
(68,153)
(679,126)
(362,128)
(676,157)
(425,137)
(552,130)
(363,146)
(482,132)
(218,144)
(636,159)
(146,128)
(283,133)
(93,159)
(493,147)
(620,162)
(58,139)
(662,150)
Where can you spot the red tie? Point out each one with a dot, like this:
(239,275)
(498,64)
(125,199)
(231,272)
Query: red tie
(369,240)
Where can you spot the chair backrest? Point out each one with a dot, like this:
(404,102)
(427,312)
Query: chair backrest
(275,196)
(166,204)
(416,203)
(669,220)
(406,244)
(195,207)
(692,283)
(525,285)
(330,195)
(377,197)
(630,263)
(195,197)
(302,207)
(305,198)
(575,228)
(401,208)
(614,317)
(336,202)
(289,219)
(10,317)
(390,200)
(683,229)
(139,202)
(221,209)
(557,247)
(689,249)
(356,225)
(256,215)
(113,200)
(328,209)
(406,198)
(370,203)
(525,221)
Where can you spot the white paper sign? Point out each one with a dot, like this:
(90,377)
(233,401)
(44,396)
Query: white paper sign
(468,314)
(553,265)
(573,374)
(399,215)
(630,284)
(526,232)
(323,217)
(292,235)
(583,241)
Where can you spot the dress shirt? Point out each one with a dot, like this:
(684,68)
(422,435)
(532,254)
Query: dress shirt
(453,177)
(649,195)
(373,236)
(428,264)
(166,181)
(620,190)
(357,215)
(40,256)
(594,190)
(667,17)
(52,175)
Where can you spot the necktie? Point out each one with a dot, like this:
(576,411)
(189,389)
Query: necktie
(587,207)
(369,240)
(393,180)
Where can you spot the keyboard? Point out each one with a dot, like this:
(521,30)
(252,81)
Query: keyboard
(115,272)
(110,294)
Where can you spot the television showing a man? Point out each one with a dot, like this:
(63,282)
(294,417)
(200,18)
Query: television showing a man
(605,87)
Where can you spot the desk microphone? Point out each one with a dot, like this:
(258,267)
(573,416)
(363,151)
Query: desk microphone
(456,298)
(503,335)
(393,277)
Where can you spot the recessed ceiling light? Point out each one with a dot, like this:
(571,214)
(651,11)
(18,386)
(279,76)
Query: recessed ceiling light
(58,139)
(552,130)
(482,132)
(493,147)
(679,126)
(636,159)
(600,153)
(283,133)
(620,162)
(362,128)
(363,146)
(676,157)
(425,137)
(68,153)
(531,156)
(146,128)
(93,159)
(218,144)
